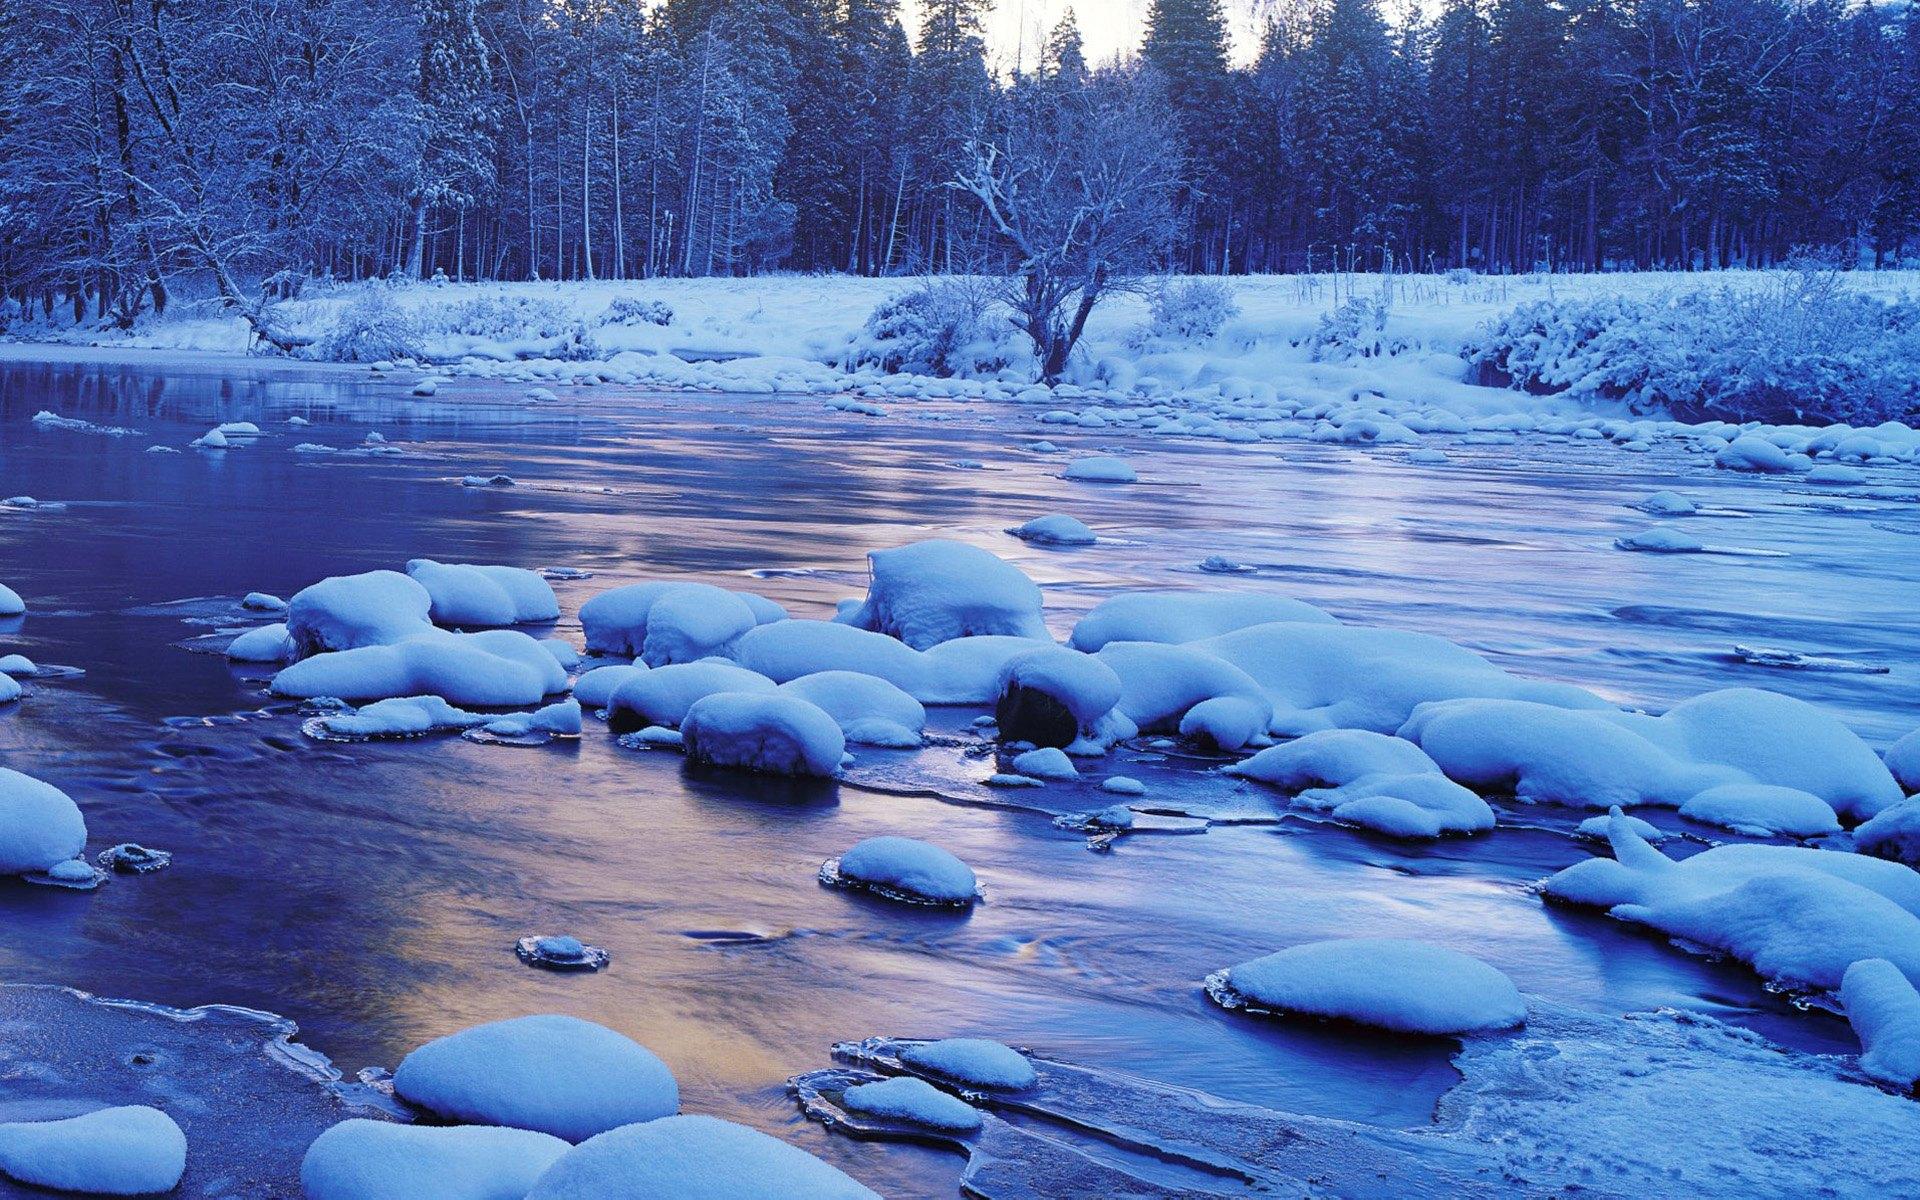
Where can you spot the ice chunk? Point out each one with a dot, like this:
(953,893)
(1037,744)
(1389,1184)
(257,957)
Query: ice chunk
(265,644)
(381,1160)
(905,869)
(906,1098)
(662,696)
(693,1158)
(979,1062)
(129,1151)
(550,1073)
(495,668)
(1761,809)
(666,621)
(1884,1010)
(1054,529)
(1391,983)
(869,710)
(1100,468)
(345,612)
(40,825)
(482,596)
(560,953)
(1185,616)
(780,735)
(937,590)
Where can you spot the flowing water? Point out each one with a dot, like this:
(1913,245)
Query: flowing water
(372,893)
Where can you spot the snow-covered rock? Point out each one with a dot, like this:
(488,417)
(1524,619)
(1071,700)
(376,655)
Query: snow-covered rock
(1903,760)
(129,1151)
(1055,529)
(1047,762)
(937,590)
(1893,832)
(494,668)
(554,1074)
(1661,539)
(1178,617)
(663,695)
(869,710)
(1101,468)
(40,825)
(484,595)
(398,717)
(263,602)
(346,612)
(906,1098)
(1371,780)
(265,644)
(776,734)
(692,1158)
(910,868)
(1390,983)
(666,621)
(381,1160)
(1884,1010)
(978,1062)
(595,688)
(11,605)
(1053,696)
(1750,452)
(1160,685)
(1762,809)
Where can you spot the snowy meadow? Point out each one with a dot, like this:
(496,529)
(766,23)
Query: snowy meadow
(1282,751)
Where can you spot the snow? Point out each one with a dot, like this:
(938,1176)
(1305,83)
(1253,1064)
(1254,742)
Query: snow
(559,719)
(1161,684)
(1123,785)
(1884,1010)
(1048,762)
(1762,809)
(496,668)
(869,710)
(1100,468)
(264,644)
(1185,616)
(663,695)
(1054,529)
(1661,540)
(1893,833)
(263,602)
(666,622)
(129,1151)
(920,870)
(11,605)
(18,666)
(1053,696)
(1903,760)
(1668,504)
(596,687)
(380,1160)
(787,650)
(550,1073)
(906,1098)
(693,1158)
(776,734)
(978,1062)
(401,716)
(1798,916)
(481,596)
(1750,452)
(937,590)
(1390,983)
(1333,758)
(346,612)
(40,825)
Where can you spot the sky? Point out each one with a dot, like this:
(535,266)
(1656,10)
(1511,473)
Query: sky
(1018,28)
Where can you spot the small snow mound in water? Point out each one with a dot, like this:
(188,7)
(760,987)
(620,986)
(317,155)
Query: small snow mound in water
(344,612)
(1006,779)
(560,953)
(483,595)
(1100,468)
(40,825)
(1893,833)
(663,695)
(263,602)
(906,1098)
(1178,617)
(778,735)
(11,605)
(978,1062)
(596,687)
(1835,475)
(869,710)
(380,1160)
(937,590)
(266,644)
(1371,780)
(560,719)
(401,717)
(1391,983)
(1594,829)
(905,869)
(1428,458)
(1219,564)
(693,1158)
(1123,785)
(1750,452)
(554,1074)
(1884,1010)
(1048,762)
(495,668)
(130,1151)
(212,439)
(1667,504)
(1762,809)
(1661,540)
(18,666)
(1055,529)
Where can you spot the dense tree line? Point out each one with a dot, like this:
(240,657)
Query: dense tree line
(241,140)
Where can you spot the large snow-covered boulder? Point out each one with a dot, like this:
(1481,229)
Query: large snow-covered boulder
(1884,1010)
(786,650)
(551,1073)
(130,1151)
(345,612)
(1391,983)
(40,825)
(663,695)
(1053,696)
(1176,617)
(382,1160)
(693,1158)
(670,621)
(772,733)
(937,590)
(495,668)
(484,595)
(869,710)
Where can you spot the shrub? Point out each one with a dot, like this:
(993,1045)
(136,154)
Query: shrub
(637,310)
(1357,329)
(1190,309)
(371,328)
(521,319)
(940,327)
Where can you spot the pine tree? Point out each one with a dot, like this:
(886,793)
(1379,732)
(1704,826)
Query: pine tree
(456,103)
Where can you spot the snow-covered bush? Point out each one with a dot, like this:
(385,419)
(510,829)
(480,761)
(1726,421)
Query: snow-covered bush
(941,327)
(1190,309)
(518,319)
(1357,329)
(372,328)
(1799,348)
(637,310)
